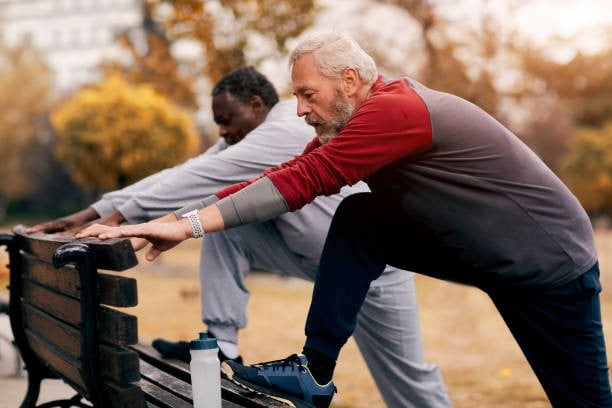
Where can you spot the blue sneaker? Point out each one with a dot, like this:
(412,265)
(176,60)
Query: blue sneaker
(289,379)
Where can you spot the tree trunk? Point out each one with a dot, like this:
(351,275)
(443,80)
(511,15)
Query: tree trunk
(3,207)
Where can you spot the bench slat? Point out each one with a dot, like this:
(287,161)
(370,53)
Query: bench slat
(119,395)
(124,395)
(116,363)
(229,404)
(114,326)
(162,397)
(60,362)
(119,363)
(112,254)
(61,334)
(229,390)
(63,307)
(166,381)
(172,384)
(112,290)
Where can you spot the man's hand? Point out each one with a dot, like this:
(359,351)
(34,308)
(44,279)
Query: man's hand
(138,243)
(65,223)
(113,220)
(162,235)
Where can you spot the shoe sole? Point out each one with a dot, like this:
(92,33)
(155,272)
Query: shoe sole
(297,402)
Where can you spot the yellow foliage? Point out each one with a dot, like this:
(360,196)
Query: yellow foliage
(116,133)
(588,168)
(25,82)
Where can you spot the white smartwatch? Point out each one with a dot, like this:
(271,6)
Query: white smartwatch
(196,225)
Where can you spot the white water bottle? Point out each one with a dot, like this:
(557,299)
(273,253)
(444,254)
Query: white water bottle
(205,372)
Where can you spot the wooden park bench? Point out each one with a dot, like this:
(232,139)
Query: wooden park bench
(69,323)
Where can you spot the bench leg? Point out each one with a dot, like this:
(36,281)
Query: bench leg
(75,401)
(31,397)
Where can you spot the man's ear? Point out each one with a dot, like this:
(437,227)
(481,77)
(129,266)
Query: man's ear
(258,106)
(350,81)
(260,109)
(257,103)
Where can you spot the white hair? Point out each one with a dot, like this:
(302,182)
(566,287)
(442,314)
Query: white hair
(334,52)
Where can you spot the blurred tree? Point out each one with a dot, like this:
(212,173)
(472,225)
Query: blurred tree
(456,59)
(583,85)
(234,32)
(114,134)
(228,34)
(153,63)
(564,96)
(25,83)
(587,169)
(548,135)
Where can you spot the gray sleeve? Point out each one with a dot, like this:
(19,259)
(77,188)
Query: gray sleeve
(268,145)
(113,200)
(261,201)
(196,206)
(103,207)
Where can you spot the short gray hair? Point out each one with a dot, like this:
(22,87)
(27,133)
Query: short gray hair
(334,52)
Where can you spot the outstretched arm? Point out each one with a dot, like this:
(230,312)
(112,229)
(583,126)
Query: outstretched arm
(66,223)
(163,233)
(258,202)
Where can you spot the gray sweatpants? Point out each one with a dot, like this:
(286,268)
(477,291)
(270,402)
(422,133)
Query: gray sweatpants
(388,330)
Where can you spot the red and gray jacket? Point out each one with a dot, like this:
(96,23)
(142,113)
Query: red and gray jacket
(469,179)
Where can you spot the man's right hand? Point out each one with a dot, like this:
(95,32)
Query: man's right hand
(162,235)
(66,223)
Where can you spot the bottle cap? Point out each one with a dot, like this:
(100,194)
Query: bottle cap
(203,335)
(203,344)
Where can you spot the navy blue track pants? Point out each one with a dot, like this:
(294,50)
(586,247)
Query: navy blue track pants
(559,330)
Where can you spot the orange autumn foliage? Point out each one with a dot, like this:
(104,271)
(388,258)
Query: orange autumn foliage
(114,134)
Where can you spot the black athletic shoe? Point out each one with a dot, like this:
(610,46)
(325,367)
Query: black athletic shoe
(179,350)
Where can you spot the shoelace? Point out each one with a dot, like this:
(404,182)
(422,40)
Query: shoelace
(288,362)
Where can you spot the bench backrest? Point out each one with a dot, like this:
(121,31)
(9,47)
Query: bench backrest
(68,325)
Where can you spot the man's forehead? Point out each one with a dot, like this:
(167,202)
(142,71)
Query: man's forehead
(305,67)
(224,105)
(305,75)
(300,87)
(224,97)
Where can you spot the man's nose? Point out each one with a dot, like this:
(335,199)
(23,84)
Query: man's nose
(302,108)
(222,131)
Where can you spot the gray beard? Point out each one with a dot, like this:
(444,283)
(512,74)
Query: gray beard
(326,137)
(342,112)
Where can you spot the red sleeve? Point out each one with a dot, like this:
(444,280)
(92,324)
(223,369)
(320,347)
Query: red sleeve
(239,186)
(391,124)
